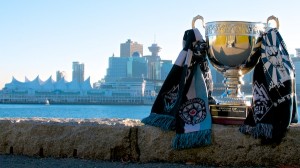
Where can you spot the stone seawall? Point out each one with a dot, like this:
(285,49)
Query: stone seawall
(130,140)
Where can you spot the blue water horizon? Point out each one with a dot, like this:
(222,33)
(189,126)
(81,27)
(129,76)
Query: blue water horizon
(77,111)
(74,111)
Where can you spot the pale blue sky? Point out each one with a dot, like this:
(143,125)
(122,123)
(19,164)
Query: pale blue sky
(39,37)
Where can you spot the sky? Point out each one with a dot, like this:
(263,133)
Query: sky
(40,37)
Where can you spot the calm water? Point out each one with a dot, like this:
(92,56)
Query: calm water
(75,111)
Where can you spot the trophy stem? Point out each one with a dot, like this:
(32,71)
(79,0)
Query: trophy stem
(233,79)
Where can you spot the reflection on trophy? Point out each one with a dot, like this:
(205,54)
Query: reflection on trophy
(233,50)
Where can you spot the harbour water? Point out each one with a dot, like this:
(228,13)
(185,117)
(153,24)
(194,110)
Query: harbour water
(75,111)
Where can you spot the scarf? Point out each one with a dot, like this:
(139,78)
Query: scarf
(193,120)
(168,100)
(182,102)
(274,104)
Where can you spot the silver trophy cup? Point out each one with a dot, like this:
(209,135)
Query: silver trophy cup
(232,51)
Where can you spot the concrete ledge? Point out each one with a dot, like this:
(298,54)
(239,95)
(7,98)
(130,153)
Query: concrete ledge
(130,140)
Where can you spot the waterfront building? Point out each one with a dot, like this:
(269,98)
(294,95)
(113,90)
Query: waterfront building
(38,85)
(125,91)
(78,72)
(129,47)
(39,91)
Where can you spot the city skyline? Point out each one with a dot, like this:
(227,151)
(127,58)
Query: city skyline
(37,38)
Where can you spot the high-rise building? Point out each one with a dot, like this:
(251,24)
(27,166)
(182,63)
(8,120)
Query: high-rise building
(78,72)
(126,67)
(154,49)
(60,75)
(297,52)
(166,66)
(129,47)
(154,63)
(138,66)
(296,62)
(117,68)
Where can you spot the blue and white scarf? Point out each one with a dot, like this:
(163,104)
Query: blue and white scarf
(193,120)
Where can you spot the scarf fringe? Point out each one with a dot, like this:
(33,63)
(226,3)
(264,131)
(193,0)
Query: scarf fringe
(258,131)
(262,130)
(246,129)
(192,139)
(165,122)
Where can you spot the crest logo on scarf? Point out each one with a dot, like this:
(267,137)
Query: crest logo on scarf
(170,98)
(193,111)
(262,101)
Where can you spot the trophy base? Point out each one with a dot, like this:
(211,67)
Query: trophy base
(227,114)
(228,120)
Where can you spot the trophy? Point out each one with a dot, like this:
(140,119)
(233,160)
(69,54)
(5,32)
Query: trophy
(233,50)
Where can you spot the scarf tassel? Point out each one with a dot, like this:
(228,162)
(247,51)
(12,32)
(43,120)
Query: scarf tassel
(258,131)
(165,122)
(246,129)
(262,130)
(192,139)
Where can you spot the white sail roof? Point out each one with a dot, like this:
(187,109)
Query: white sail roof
(49,85)
(61,84)
(14,84)
(86,85)
(35,84)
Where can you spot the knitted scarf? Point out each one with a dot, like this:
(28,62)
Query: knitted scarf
(274,92)
(182,102)
(193,120)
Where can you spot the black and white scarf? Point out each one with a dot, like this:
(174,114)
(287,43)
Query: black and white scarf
(274,104)
(182,103)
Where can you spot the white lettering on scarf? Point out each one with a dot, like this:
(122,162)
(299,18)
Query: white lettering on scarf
(284,98)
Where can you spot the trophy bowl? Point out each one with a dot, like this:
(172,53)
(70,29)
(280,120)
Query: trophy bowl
(233,50)
(231,45)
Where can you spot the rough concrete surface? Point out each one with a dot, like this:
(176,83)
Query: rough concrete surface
(127,140)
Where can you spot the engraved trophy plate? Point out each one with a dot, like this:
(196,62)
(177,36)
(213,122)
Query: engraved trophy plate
(229,114)
(232,47)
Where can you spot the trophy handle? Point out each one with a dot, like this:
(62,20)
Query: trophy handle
(275,19)
(196,18)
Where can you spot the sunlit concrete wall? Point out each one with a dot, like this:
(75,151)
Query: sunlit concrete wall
(130,140)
